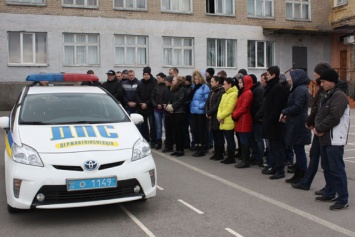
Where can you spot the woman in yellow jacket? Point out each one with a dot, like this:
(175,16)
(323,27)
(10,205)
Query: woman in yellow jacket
(224,116)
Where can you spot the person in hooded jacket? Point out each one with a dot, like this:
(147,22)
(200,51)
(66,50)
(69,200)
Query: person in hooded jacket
(314,152)
(145,106)
(113,85)
(199,94)
(295,116)
(243,120)
(212,104)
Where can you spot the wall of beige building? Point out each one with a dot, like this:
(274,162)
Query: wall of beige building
(318,47)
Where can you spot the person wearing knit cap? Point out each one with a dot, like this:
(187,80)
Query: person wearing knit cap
(332,126)
(314,154)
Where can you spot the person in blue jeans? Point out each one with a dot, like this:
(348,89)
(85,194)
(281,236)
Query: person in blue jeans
(314,153)
(332,126)
(160,98)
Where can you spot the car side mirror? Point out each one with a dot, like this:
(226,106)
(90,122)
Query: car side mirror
(137,118)
(4,122)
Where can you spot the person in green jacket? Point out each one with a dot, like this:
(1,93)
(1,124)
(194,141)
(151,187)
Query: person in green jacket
(224,116)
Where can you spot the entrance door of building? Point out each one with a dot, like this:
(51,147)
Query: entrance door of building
(343,64)
(299,57)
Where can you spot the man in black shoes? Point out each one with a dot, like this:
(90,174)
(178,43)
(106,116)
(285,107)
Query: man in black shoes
(331,126)
(272,128)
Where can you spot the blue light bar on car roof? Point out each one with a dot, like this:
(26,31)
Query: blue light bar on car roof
(62,77)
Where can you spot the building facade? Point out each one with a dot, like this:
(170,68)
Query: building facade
(78,35)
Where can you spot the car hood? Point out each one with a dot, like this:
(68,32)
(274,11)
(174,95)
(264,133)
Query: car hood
(79,137)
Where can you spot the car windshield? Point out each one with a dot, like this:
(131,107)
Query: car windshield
(71,108)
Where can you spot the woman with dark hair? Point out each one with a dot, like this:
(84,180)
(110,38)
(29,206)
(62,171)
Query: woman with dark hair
(224,117)
(199,94)
(177,109)
(212,104)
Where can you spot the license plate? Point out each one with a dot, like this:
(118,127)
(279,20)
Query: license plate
(96,183)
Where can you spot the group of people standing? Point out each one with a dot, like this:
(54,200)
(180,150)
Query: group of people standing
(203,109)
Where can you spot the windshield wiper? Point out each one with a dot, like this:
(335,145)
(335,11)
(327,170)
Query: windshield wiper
(34,123)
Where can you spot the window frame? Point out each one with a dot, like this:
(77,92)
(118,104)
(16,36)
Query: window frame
(216,56)
(74,5)
(266,63)
(182,48)
(338,3)
(34,49)
(263,9)
(176,11)
(26,3)
(224,9)
(75,45)
(293,2)
(135,8)
(136,46)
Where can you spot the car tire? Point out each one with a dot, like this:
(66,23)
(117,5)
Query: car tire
(13,210)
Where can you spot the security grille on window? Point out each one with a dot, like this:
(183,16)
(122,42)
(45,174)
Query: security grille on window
(261,8)
(25,1)
(80,3)
(131,50)
(27,48)
(260,54)
(176,5)
(81,49)
(178,52)
(220,7)
(131,4)
(221,52)
(298,9)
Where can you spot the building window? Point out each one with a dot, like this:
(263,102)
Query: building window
(27,48)
(182,6)
(260,54)
(80,3)
(261,8)
(81,49)
(130,4)
(221,52)
(298,9)
(220,7)
(340,2)
(131,50)
(178,52)
(26,2)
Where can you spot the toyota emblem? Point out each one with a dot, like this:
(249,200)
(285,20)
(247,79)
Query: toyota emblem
(91,165)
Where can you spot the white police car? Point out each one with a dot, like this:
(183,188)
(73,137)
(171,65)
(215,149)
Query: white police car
(73,146)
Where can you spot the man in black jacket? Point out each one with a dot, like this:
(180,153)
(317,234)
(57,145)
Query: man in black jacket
(272,128)
(113,85)
(145,106)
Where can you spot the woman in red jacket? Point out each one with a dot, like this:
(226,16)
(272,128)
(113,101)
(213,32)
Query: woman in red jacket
(243,120)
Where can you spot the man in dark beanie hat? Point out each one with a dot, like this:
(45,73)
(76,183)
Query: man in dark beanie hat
(332,126)
(147,70)
(314,153)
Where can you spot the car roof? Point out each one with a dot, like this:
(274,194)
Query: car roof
(65,89)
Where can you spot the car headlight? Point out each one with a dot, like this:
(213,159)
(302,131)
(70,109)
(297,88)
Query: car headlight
(26,155)
(141,149)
